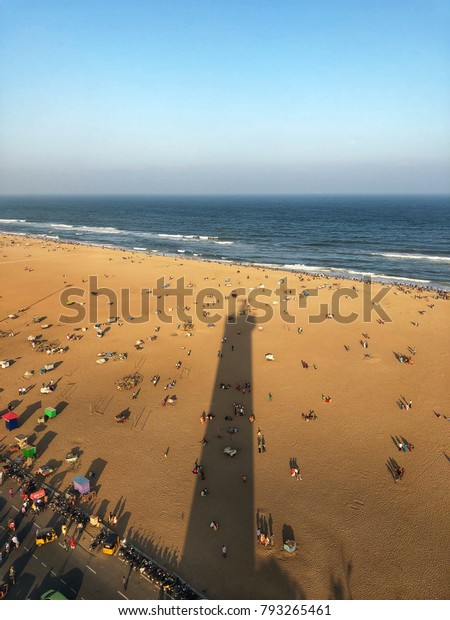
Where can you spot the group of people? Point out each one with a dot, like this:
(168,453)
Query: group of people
(199,471)
(264,539)
(239,409)
(309,416)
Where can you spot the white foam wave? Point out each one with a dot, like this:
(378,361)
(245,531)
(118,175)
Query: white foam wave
(9,221)
(444,259)
(108,230)
(300,267)
(193,238)
(140,249)
(61,226)
(400,278)
(386,277)
(181,251)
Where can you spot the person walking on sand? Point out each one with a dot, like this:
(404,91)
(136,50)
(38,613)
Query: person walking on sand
(124,582)
(63,529)
(270,395)
(12,575)
(410,404)
(224,551)
(72,543)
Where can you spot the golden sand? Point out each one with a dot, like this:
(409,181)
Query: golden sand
(359,533)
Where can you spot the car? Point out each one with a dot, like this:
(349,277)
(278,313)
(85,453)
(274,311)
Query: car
(230,451)
(53,595)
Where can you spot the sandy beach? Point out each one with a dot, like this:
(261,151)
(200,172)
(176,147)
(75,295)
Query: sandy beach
(359,533)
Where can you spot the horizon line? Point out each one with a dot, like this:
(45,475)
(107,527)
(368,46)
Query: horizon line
(212,194)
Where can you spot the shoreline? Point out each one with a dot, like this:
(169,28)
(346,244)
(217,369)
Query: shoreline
(411,283)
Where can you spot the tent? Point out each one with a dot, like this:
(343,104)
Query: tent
(81,484)
(11,420)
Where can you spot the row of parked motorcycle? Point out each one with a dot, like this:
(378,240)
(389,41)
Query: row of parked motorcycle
(173,586)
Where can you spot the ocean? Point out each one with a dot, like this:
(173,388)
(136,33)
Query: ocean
(386,238)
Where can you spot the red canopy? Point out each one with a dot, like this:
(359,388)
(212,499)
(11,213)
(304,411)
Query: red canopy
(10,416)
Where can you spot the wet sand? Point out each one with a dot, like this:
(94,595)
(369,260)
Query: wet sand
(359,533)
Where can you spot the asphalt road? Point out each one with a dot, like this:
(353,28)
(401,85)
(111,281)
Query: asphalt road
(78,574)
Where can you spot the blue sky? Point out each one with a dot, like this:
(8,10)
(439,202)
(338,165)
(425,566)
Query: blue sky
(224,96)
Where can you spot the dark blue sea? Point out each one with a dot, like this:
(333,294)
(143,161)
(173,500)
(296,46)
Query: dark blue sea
(396,238)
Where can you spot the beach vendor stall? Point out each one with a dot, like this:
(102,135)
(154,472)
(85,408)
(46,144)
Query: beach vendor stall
(11,420)
(289,546)
(39,499)
(49,412)
(28,451)
(81,484)
(22,440)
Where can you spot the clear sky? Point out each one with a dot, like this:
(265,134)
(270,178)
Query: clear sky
(224,96)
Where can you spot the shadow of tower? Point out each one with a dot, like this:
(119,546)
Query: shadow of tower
(230,500)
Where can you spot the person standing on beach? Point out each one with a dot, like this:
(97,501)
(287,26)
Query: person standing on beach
(410,404)
(224,551)
(270,395)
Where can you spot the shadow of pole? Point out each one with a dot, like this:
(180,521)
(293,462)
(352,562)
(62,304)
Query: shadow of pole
(230,500)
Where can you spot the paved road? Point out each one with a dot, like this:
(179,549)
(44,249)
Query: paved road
(78,574)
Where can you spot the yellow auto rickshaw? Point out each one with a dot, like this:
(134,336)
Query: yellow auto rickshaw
(111,544)
(45,535)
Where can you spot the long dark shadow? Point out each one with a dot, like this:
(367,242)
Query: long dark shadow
(230,483)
